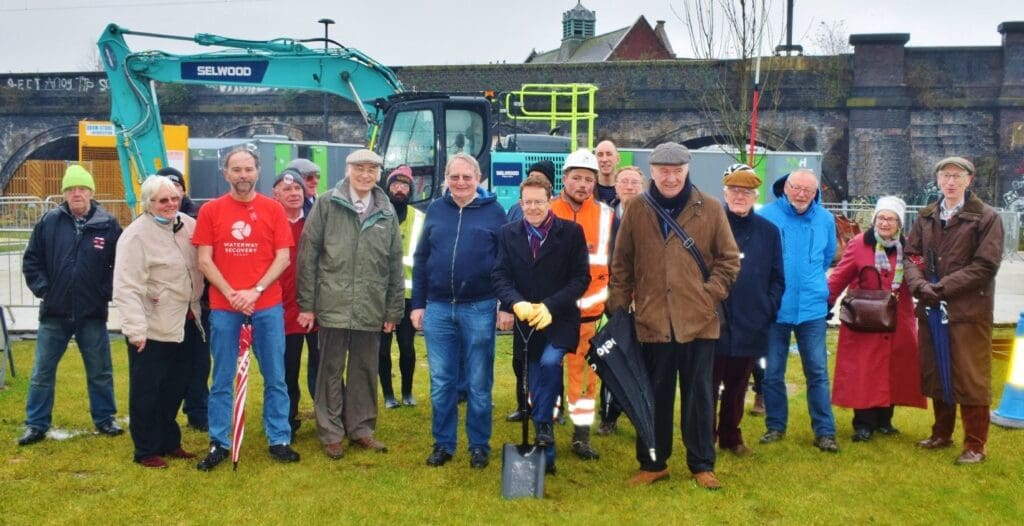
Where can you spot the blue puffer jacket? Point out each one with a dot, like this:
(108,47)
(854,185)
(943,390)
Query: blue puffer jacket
(808,244)
(457,250)
(72,271)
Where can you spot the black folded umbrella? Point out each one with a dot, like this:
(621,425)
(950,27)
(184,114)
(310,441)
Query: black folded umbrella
(616,357)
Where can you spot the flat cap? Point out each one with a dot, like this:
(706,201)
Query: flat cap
(304,166)
(364,156)
(743,177)
(955,161)
(670,153)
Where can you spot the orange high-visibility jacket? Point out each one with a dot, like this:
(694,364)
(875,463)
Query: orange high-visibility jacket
(596,219)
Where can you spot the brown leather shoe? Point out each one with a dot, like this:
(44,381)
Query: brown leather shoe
(758,408)
(646,478)
(181,453)
(969,457)
(740,450)
(368,442)
(935,443)
(152,461)
(707,480)
(334,451)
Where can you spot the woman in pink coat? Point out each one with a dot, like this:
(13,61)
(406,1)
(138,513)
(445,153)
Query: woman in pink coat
(877,371)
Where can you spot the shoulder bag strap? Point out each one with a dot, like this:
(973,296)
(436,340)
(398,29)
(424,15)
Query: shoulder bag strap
(687,241)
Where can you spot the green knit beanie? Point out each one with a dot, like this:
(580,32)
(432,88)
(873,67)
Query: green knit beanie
(76,175)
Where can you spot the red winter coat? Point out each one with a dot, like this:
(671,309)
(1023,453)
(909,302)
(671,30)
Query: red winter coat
(875,369)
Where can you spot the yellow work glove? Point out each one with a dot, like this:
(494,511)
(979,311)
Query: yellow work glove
(523,310)
(541,317)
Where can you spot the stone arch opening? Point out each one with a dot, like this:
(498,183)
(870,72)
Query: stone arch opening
(42,146)
(294,133)
(700,135)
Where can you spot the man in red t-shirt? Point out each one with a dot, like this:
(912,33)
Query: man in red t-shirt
(243,241)
(289,191)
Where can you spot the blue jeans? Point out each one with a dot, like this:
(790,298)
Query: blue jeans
(456,332)
(268,347)
(810,340)
(545,379)
(52,341)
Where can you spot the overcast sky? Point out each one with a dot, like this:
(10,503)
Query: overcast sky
(59,35)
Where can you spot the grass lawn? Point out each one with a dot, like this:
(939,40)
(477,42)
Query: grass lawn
(90,479)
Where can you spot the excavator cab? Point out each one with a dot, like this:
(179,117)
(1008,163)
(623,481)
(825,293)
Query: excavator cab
(424,130)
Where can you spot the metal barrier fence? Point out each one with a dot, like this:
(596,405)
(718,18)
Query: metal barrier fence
(862,214)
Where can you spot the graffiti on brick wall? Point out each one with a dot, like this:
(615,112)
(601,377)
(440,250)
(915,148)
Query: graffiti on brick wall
(928,193)
(70,83)
(1013,199)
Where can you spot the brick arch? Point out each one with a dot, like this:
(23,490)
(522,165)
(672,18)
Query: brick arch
(27,148)
(294,133)
(698,135)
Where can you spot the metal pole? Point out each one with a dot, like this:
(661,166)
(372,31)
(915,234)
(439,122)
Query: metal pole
(327,24)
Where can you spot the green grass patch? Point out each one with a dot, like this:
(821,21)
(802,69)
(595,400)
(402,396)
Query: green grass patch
(90,479)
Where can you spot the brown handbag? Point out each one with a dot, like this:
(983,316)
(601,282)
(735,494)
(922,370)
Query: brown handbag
(869,310)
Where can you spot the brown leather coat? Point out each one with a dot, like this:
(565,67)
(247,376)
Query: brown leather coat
(673,303)
(968,251)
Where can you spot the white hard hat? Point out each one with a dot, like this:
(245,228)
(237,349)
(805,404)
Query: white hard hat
(581,158)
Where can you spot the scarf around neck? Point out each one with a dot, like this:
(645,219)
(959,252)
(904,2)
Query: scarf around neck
(882,258)
(536,235)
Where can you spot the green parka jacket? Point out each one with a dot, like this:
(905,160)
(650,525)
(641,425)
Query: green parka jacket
(350,270)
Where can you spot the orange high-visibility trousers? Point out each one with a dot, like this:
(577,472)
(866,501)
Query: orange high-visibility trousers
(582,389)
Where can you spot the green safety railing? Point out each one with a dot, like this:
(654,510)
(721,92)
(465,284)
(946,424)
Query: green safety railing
(578,98)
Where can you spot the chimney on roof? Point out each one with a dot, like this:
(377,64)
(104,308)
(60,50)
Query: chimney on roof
(659,31)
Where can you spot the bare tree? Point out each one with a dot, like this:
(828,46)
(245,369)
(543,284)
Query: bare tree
(730,35)
(830,38)
(91,59)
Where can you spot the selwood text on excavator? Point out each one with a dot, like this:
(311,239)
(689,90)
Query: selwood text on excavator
(421,129)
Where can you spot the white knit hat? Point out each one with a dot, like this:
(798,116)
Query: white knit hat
(892,204)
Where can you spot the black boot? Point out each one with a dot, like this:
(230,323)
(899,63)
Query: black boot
(545,434)
(581,443)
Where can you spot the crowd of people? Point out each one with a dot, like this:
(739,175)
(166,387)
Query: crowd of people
(713,287)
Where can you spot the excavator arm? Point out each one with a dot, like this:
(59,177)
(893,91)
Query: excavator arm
(280,63)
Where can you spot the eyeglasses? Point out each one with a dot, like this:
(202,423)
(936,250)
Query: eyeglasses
(801,189)
(882,219)
(165,200)
(738,190)
(532,203)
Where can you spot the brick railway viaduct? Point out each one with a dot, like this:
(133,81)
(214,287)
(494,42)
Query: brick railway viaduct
(881,115)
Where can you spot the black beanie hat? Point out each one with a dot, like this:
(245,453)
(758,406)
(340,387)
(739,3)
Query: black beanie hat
(545,167)
(173,174)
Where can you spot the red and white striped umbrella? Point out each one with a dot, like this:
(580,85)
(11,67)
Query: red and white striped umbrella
(241,389)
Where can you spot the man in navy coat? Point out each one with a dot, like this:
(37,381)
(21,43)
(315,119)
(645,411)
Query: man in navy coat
(542,271)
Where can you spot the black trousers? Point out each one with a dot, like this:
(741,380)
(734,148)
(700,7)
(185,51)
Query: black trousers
(758,374)
(405,334)
(692,363)
(157,378)
(873,418)
(197,390)
(292,364)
